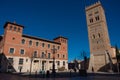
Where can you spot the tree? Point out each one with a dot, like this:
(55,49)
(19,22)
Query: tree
(117,57)
(117,53)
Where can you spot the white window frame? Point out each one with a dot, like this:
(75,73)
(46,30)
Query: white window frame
(20,51)
(36,53)
(22,43)
(13,51)
(19,61)
(36,43)
(29,43)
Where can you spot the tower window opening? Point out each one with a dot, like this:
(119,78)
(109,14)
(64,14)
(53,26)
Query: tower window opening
(91,20)
(97,18)
(99,35)
(93,36)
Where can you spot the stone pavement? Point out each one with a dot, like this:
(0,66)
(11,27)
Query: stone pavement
(6,76)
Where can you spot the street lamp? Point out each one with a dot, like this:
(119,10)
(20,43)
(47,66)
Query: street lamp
(31,65)
(53,66)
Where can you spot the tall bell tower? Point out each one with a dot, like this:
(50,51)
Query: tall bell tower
(98,37)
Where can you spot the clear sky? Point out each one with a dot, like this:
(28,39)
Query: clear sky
(51,18)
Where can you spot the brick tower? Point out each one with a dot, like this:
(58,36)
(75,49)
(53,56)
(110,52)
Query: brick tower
(12,34)
(98,37)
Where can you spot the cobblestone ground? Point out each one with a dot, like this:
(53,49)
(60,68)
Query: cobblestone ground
(17,77)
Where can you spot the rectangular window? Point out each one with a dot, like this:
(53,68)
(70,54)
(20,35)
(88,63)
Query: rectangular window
(10,60)
(97,18)
(63,63)
(21,61)
(58,63)
(22,51)
(11,50)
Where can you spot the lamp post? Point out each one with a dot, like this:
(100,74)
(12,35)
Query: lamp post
(53,66)
(31,64)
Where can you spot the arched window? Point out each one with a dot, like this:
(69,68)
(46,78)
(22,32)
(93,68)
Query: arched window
(48,45)
(43,44)
(30,42)
(10,27)
(35,54)
(22,51)
(15,28)
(63,56)
(58,55)
(58,47)
(49,56)
(18,29)
(43,55)
(53,46)
(63,63)
(23,41)
(37,43)
(58,63)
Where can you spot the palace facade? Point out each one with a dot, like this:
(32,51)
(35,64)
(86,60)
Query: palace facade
(24,53)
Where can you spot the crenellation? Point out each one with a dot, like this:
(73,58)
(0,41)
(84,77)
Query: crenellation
(93,5)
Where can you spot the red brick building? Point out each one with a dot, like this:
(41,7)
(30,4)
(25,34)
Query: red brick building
(25,53)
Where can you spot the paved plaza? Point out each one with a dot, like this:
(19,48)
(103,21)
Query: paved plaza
(6,76)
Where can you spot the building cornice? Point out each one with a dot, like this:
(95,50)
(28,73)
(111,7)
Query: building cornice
(12,24)
(37,38)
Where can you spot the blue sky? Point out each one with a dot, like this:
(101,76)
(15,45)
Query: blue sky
(51,18)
